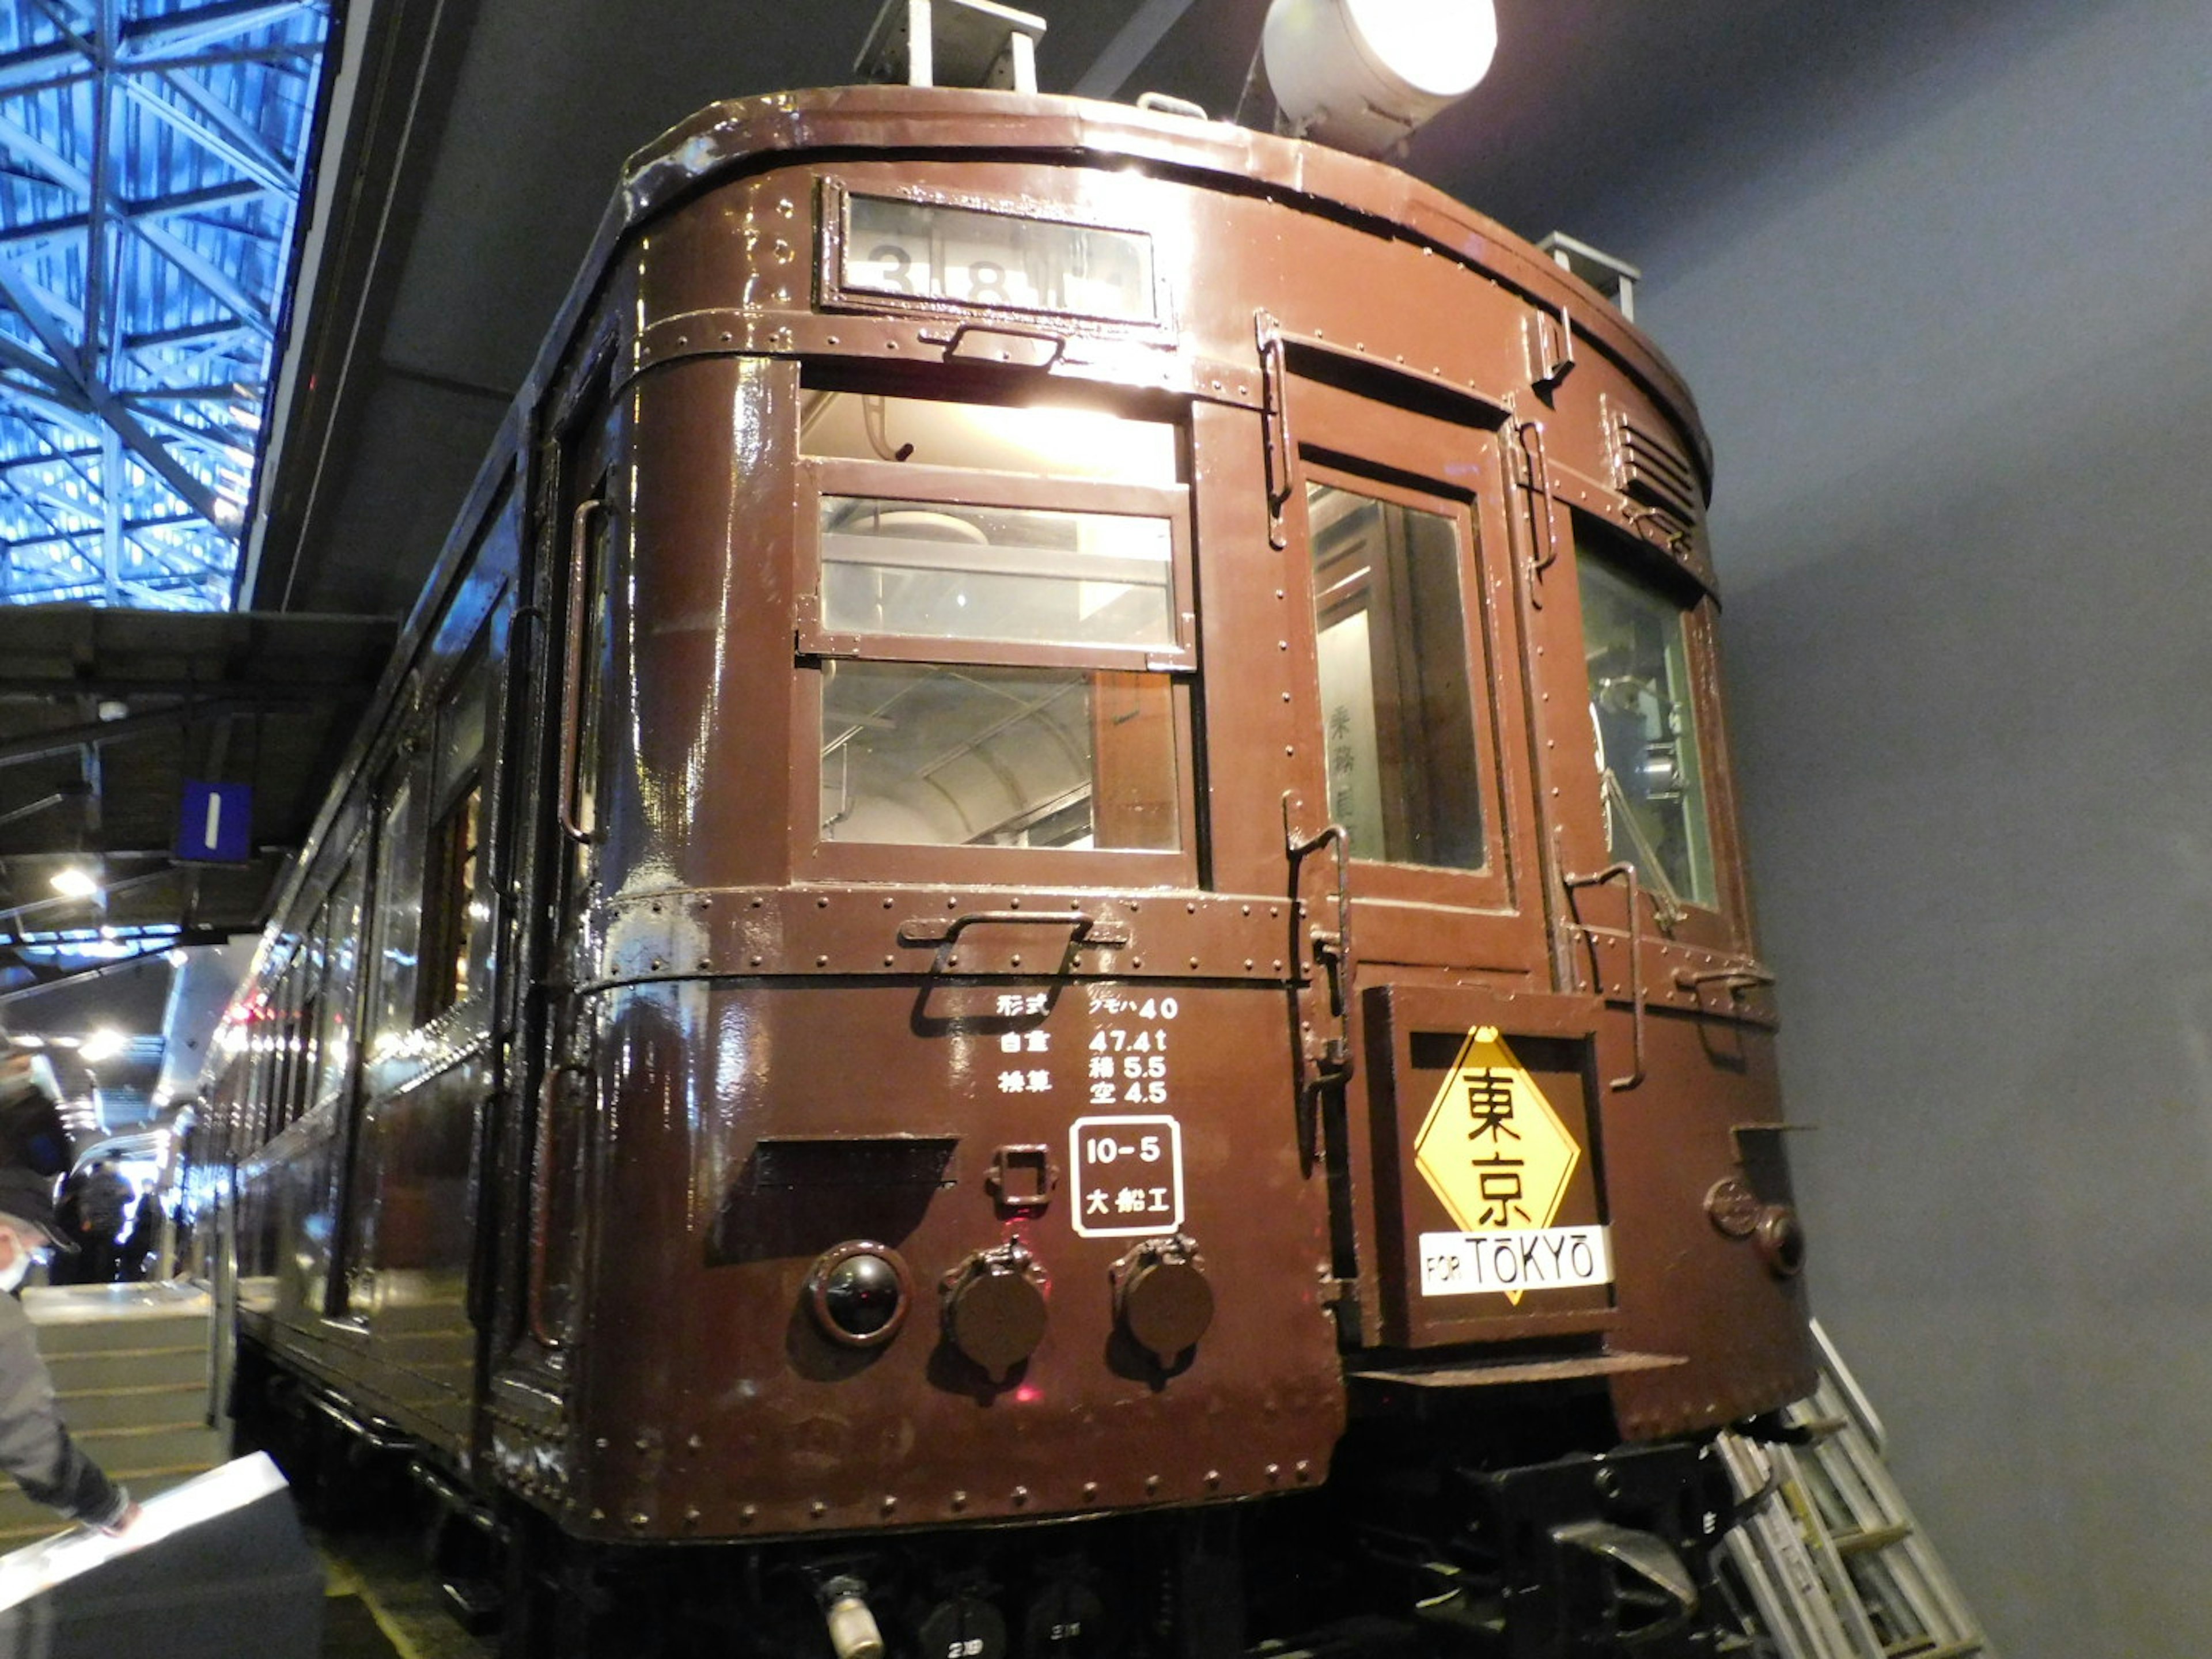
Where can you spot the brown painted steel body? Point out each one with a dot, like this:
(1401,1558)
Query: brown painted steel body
(572,1216)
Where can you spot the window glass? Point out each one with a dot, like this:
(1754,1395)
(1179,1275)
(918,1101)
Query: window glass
(1017,574)
(1397,703)
(931,250)
(934,754)
(461,722)
(1635,642)
(589,691)
(450,907)
(1040,440)
(400,919)
(335,1041)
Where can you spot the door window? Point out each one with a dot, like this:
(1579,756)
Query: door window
(1397,703)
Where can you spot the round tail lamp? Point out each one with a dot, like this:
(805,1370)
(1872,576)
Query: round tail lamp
(859,1293)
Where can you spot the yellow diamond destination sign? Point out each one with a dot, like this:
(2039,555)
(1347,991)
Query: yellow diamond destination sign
(1496,1153)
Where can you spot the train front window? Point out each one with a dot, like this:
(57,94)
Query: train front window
(1636,645)
(998,617)
(961,755)
(1397,701)
(1038,439)
(938,570)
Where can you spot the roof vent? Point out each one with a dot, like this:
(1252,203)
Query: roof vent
(952,43)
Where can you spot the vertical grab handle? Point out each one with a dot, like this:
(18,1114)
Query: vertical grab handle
(1275,424)
(1537,477)
(1627,870)
(572,695)
(547,1179)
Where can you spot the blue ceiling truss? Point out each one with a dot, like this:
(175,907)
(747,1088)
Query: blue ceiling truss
(152,157)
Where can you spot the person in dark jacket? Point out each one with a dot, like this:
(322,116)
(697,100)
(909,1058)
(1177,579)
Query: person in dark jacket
(35,1448)
(88,1225)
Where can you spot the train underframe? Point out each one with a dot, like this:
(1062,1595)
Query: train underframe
(1434,1537)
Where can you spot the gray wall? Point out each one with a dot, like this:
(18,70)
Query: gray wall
(1949,316)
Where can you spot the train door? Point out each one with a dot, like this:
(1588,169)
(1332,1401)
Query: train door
(1450,1081)
(578,535)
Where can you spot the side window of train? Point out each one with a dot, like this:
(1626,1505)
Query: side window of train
(1398,705)
(431,953)
(453,954)
(1000,609)
(1644,709)
(398,913)
(334,1027)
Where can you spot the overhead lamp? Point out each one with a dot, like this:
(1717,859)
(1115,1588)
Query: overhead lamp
(75,881)
(105,1043)
(1363,75)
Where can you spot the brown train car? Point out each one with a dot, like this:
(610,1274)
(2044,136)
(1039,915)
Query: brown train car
(1040,947)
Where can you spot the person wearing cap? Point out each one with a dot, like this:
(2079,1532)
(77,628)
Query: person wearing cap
(35,1447)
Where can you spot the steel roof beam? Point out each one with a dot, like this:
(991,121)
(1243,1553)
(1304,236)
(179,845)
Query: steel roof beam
(190,29)
(149,450)
(106,205)
(218,131)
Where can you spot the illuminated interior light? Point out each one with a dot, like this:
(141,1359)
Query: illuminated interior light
(73,881)
(105,1043)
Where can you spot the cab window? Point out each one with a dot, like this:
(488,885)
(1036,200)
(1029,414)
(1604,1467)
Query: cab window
(1643,710)
(998,618)
(1397,702)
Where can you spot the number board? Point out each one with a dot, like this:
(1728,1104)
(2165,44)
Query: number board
(1004,261)
(1128,1176)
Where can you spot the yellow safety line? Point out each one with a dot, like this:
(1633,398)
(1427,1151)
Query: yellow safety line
(340,1579)
(393,1633)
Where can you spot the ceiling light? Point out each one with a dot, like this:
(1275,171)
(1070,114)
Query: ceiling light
(75,881)
(104,1044)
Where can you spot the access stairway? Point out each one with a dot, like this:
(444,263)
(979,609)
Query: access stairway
(129,1364)
(1827,1562)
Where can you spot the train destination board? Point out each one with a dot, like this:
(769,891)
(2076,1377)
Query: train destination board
(932,251)
(1495,1152)
(1549,1258)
